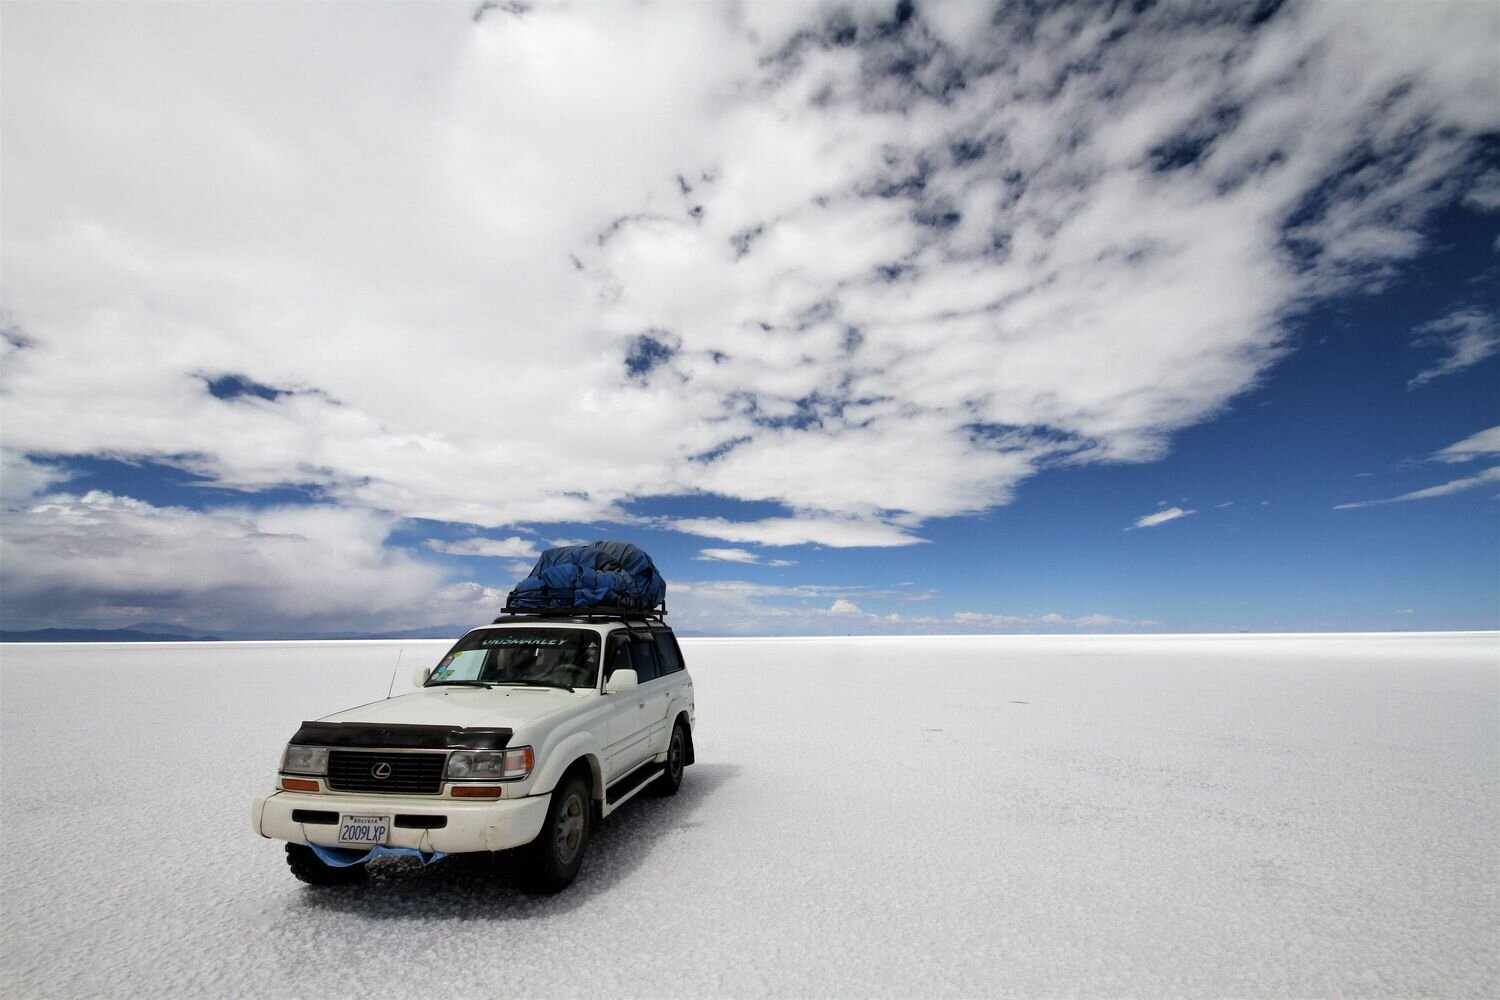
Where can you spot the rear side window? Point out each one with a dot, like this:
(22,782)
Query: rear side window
(667,653)
(643,657)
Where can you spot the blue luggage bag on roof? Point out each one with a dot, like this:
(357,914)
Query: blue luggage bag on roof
(599,574)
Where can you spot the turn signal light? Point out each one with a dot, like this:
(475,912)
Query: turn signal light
(476,791)
(299,784)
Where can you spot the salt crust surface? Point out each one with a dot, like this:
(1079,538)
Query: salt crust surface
(1016,816)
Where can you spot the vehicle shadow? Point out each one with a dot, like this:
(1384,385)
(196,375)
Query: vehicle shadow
(462,886)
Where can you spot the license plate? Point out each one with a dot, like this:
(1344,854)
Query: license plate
(364,831)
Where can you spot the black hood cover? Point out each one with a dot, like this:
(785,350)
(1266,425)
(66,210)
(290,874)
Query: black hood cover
(396,736)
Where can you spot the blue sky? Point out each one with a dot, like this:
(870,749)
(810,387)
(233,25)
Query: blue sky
(860,318)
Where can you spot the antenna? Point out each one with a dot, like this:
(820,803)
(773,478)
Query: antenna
(393,672)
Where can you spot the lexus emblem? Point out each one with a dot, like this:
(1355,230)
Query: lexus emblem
(380,771)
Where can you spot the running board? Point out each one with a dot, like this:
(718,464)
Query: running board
(631,786)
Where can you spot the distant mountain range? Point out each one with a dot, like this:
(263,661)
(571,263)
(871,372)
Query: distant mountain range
(160,632)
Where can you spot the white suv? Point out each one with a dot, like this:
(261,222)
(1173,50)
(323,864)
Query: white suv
(525,733)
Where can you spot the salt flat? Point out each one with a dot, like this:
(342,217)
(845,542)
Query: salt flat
(1009,816)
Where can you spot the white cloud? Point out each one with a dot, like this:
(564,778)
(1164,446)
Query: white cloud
(21,479)
(1454,486)
(831,530)
(1481,445)
(513,547)
(1485,194)
(740,556)
(1406,611)
(885,297)
(1162,517)
(741,607)
(233,569)
(1468,336)
(1103,621)
(982,620)
(1053,619)
(728,555)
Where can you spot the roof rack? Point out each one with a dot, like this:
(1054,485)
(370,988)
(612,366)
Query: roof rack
(511,611)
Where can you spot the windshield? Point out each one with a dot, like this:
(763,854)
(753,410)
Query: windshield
(550,657)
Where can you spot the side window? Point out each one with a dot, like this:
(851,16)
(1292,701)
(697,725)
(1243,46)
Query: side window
(643,656)
(619,656)
(667,652)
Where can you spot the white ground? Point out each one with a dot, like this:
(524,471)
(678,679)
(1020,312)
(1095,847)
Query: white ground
(1102,816)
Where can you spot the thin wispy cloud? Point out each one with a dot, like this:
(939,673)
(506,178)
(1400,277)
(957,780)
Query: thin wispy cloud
(1482,445)
(1161,517)
(740,556)
(1491,475)
(1466,336)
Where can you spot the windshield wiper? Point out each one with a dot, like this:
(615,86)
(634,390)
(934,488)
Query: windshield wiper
(540,684)
(483,684)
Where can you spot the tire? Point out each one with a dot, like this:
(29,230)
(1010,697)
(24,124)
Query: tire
(677,748)
(309,868)
(550,863)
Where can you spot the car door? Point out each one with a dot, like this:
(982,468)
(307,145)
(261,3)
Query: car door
(627,727)
(654,692)
(674,685)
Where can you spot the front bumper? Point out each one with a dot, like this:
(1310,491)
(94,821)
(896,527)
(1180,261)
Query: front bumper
(470,826)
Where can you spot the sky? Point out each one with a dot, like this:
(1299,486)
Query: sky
(860,318)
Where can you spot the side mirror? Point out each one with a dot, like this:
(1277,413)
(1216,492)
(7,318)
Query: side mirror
(419,676)
(621,680)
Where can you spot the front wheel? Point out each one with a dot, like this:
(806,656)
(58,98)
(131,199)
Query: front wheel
(671,778)
(550,863)
(309,868)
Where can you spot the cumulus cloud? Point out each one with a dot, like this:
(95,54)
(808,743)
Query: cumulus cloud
(21,479)
(843,606)
(1490,475)
(514,547)
(1481,445)
(121,561)
(1162,517)
(873,270)
(1467,335)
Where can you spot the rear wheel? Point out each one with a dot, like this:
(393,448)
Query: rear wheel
(550,863)
(671,778)
(309,868)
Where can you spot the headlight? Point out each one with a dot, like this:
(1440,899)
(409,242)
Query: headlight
(305,760)
(490,765)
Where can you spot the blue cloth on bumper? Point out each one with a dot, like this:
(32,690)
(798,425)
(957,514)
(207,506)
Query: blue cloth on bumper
(343,857)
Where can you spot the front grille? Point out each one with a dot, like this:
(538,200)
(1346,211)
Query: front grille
(411,773)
